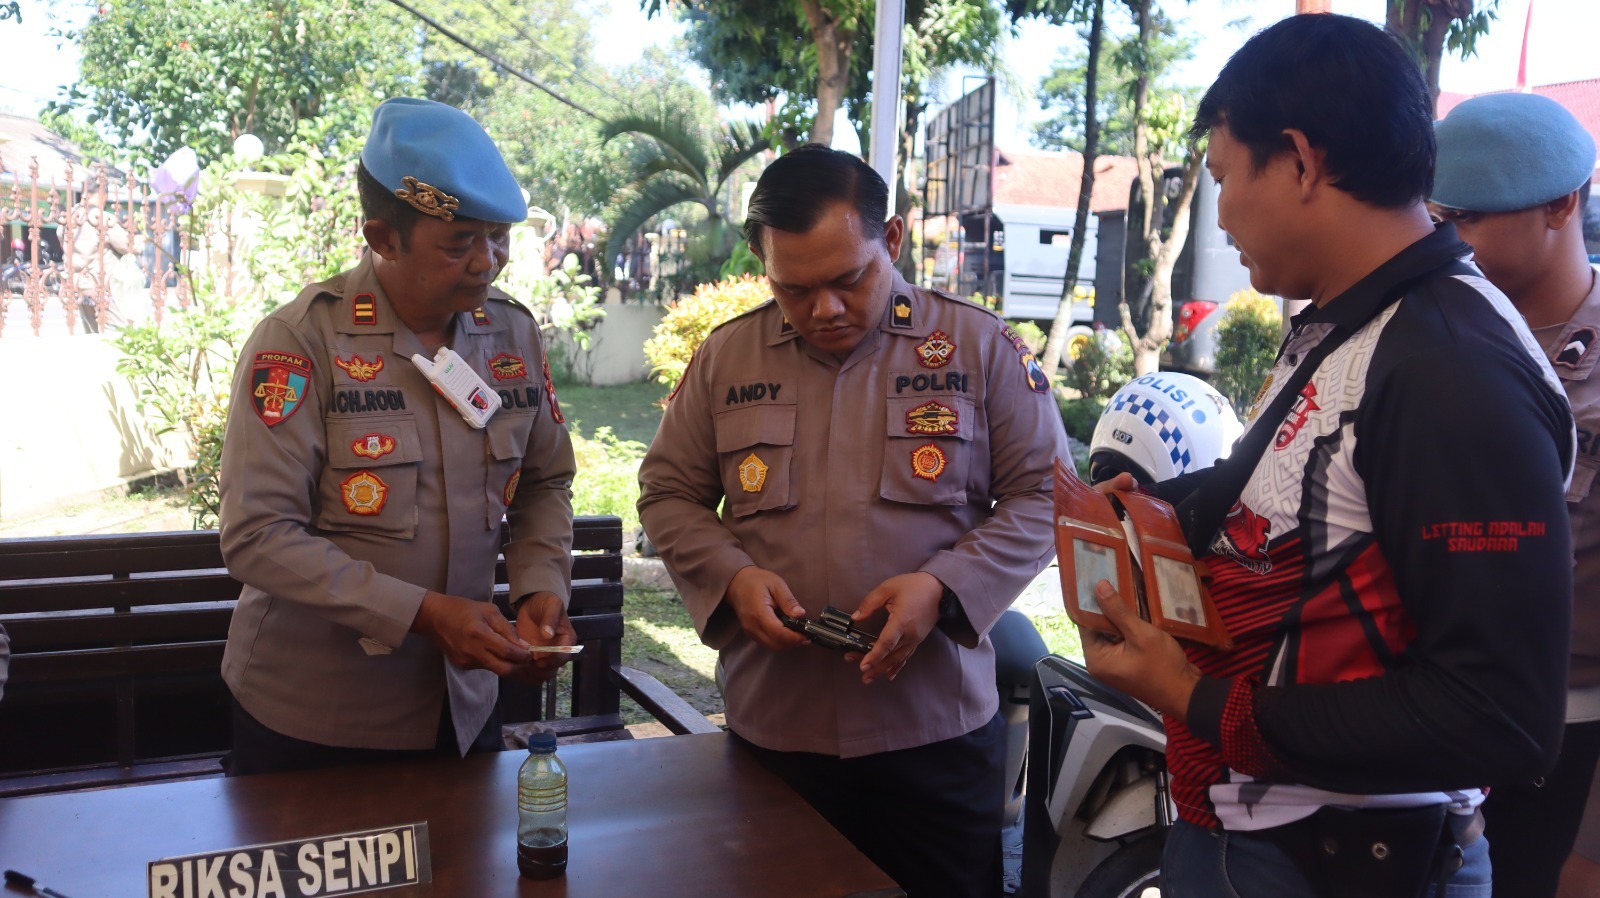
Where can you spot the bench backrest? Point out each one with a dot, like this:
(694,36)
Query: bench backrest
(117,645)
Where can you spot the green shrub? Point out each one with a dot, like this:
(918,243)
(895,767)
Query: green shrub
(1031,334)
(1080,416)
(608,476)
(689,320)
(1101,367)
(1247,341)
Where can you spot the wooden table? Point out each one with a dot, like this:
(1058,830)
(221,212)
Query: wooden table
(672,816)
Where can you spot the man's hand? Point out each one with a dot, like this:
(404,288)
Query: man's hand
(912,601)
(1121,483)
(472,635)
(542,620)
(1145,662)
(757,596)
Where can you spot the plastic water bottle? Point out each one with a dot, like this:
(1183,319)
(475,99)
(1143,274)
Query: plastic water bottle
(542,811)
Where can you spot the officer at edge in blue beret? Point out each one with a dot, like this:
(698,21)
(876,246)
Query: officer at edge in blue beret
(1513,175)
(361,510)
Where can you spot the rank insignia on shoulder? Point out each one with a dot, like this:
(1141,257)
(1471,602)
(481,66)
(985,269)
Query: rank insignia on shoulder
(480,317)
(359,369)
(550,387)
(752,474)
(900,311)
(927,461)
(278,383)
(364,493)
(933,419)
(364,309)
(506,366)
(1035,373)
(511,486)
(1577,346)
(936,351)
(373,445)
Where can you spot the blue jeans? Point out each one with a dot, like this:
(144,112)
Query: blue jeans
(1207,863)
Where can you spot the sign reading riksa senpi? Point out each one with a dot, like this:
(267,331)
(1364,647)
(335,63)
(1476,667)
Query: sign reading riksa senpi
(344,864)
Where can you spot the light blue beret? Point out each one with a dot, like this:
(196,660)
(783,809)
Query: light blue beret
(1507,152)
(439,160)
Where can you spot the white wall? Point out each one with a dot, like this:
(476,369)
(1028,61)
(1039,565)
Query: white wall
(616,353)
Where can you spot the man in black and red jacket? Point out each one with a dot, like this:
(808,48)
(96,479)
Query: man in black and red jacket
(1395,568)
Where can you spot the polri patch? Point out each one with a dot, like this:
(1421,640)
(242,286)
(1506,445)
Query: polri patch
(1579,342)
(510,491)
(480,317)
(752,474)
(933,419)
(277,385)
(359,369)
(900,311)
(506,366)
(373,445)
(936,351)
(364,493)
(550,387)
(1035,373)
(927,461)
(364,309)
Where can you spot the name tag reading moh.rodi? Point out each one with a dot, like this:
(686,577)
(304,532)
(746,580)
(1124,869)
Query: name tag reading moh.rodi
(344,864)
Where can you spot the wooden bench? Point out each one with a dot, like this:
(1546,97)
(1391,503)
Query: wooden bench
(117,646)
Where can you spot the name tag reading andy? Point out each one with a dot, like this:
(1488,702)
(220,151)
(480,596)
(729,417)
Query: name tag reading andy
(344,864)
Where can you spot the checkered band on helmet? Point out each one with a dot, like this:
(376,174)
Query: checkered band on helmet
(1162,425)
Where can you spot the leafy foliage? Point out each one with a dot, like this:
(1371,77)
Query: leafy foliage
(1247,342)
(690,320)
(608,476)
(1100,367)
(162,74)
(1062,91)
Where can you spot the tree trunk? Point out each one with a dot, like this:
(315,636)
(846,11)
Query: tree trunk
(1150,215)
(1054,347)
(833,66)
(1147,352)
(903,199)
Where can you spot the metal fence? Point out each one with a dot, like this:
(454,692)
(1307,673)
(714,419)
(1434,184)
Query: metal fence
(95,250)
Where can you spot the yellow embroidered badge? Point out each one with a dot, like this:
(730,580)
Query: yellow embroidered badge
(933,419)
(511,486)
(936,351)
(752,474)
(927,461)
(373,445)
(359,369)
(428,199)
(364,493)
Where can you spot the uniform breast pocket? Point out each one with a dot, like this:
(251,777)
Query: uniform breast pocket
(755,448)
(927,449)
(370,483)
(1582,478)
(507,435)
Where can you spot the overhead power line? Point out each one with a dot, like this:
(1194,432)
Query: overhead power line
(431,23)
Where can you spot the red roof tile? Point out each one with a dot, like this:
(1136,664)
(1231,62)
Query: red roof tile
(1582,99)
(1045,178)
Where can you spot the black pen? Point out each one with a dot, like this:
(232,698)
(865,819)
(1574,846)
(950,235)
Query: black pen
(25,881)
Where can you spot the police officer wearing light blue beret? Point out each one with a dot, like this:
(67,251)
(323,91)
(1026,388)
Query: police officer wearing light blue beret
(1513,174)
(362,510)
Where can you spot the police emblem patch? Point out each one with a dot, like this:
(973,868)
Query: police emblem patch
(364,309)
(364,493)
(927,461)
(900,311)
(277,384)
(550,387)
(933,419)
(506,366)
(1577,346)
(359,369)
(752,474)
(511,486)
(936,351)
(1035,371)
(480,317)
(373,445)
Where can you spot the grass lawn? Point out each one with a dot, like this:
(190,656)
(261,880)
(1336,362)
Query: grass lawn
(632,411)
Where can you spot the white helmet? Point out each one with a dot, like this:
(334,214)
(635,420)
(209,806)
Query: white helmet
(1161,425)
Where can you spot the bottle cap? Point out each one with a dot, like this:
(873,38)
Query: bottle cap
(542,742)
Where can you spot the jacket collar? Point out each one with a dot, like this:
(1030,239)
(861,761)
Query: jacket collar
(1362,301)
(365,309)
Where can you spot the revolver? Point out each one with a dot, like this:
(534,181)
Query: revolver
(834,629)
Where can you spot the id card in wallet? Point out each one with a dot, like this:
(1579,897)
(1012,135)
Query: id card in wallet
(1135,541)
(459,385)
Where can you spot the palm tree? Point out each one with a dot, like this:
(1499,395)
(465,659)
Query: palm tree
(676,162)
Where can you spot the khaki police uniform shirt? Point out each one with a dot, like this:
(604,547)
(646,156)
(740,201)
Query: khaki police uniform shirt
(1573,352)
(350,488)
(929,448)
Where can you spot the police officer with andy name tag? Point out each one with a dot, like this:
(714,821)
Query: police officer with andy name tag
(382,427)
